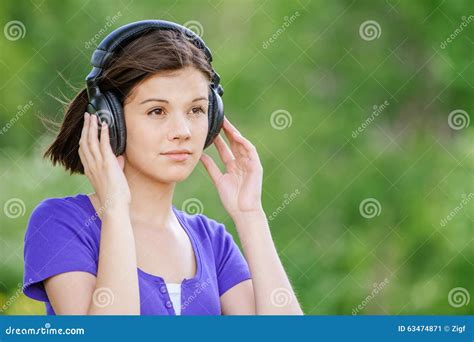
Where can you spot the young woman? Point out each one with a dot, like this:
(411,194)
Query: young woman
(125,248)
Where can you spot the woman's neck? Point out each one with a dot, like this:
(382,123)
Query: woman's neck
(152,201)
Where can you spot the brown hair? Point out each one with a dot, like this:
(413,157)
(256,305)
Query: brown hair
(159,50)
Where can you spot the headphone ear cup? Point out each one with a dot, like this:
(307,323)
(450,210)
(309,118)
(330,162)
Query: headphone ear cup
(215,116)
(100,106)
(116,122)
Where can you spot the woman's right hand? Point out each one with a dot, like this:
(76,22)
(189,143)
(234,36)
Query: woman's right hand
(102,167)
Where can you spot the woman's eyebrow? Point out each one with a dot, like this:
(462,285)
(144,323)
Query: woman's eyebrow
(153,99)
(166,101)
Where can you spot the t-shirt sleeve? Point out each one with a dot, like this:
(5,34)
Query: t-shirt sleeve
(231,266)
(57,240)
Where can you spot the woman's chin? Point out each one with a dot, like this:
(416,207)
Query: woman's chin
(172,174)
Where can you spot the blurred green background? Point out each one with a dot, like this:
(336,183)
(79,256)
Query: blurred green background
(360,111)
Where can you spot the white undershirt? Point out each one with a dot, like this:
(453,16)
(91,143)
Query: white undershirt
(174,291)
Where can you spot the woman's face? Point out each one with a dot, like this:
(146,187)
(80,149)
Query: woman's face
(166,112)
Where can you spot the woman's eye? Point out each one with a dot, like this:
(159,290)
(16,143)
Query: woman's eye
(156,111)
(198,110)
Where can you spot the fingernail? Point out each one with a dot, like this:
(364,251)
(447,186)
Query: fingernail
(104,124)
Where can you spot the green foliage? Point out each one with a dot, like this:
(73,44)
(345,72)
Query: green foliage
(309,59)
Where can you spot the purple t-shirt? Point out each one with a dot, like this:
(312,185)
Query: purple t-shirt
(63,235)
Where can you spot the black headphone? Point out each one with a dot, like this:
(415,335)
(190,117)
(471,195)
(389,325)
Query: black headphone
(106,105)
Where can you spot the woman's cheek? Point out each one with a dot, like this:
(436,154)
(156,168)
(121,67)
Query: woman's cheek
(201,130)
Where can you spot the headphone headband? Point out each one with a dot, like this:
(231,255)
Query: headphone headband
(124,34)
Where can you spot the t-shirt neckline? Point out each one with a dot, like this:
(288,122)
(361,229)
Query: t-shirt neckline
(189,232)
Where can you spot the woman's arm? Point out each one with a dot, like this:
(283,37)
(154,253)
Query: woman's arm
(115,289)
(117,270)
(273,292)
(269,292)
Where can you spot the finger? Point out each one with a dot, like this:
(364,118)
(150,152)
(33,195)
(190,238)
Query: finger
(93,140)
(236,147)
(244,146)
(87,158)
(85,125)
(229,126)
(224,151)
(211,168)
(121,161)
(83,160)
(104,143)
(230,131)
(238,144)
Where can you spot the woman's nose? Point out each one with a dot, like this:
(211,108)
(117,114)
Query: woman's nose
(179,128)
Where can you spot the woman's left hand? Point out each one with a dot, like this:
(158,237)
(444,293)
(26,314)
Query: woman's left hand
(240,187)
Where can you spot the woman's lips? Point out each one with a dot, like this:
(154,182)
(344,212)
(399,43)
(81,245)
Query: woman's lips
(177,156)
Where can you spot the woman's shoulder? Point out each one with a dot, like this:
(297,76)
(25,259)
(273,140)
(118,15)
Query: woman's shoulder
(58,240)
(71,211)
(75,205)
(71,201)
